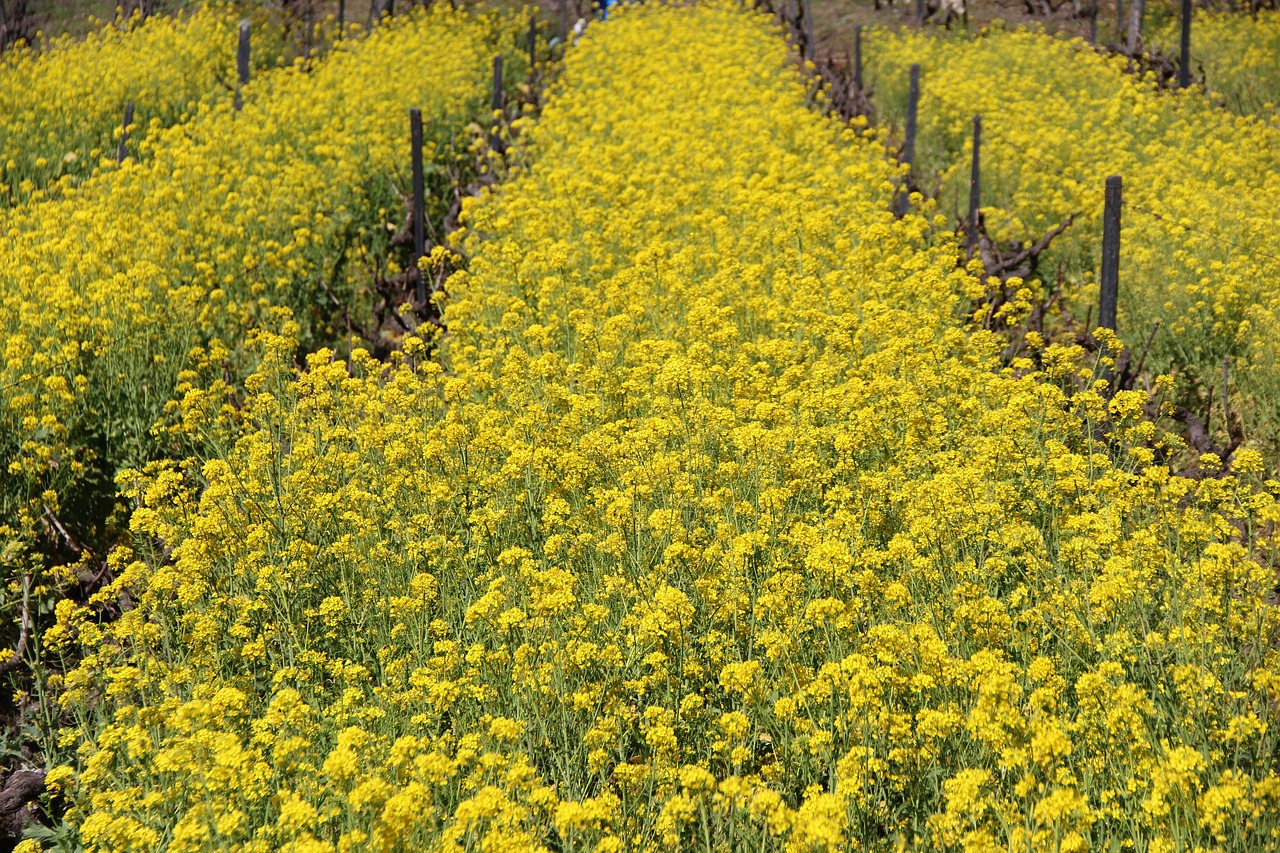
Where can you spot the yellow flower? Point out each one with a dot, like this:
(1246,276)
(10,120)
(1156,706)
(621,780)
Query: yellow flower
(708,519)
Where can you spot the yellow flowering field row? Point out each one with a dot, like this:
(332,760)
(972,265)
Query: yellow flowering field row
(1238,54)
(61,107)
(711,528)
(1197,247)
(118,296)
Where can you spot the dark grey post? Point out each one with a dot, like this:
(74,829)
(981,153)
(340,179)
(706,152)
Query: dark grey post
(496,100)
(807,11)
(342,18)
(975,185)
(1093,22)
(242,53)
(533,44)
(909,145)
(1184,65)
(242,61)
(311,31)
(419,201)
(122,151)
(919,14)
(1110,273)
(1136,10)
(564,24)
(857,56)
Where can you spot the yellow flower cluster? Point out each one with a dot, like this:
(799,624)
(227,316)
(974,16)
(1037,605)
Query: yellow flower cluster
(1197,247)
(712,528)
(61,108)
(118,296)
(1238,54)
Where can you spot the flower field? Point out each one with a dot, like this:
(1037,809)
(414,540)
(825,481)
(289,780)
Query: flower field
(61,108)
(1197,251)
(146,281)
(705,520)
(1239,57)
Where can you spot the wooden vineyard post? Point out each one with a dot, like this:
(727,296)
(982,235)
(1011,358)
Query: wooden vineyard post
(1093,24)
(909,146)
(975,186)
(311,31)
(919,14)
(1184,61)
(564,25)
(242,54)
(806,9)
(342,18)
(495,100)
(857,56)
(1110,273)
(242,62)
(533,44)
(122,151)
(419,211)
(1136,8)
